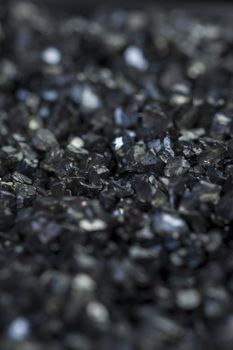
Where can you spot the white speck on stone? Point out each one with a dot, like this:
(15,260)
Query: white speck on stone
(134,57)
(172,221)
(118,116)
(137,252)
(83,282)
(166,223)
(91,226)
(196,69)
(51,56)
(50,95)
(34,124)
(118,143)
(179,100)
(101,170)
(222,119)
(193,134)
(97,312)
(180,88)
(89,100)
(145,233)
(19,329)
(188,299)
(76,143)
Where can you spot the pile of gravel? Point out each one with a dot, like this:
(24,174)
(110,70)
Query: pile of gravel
(116,180)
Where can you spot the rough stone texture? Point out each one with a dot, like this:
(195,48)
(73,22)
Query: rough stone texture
(116,180)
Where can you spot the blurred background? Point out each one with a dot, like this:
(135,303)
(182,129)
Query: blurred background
(88,6)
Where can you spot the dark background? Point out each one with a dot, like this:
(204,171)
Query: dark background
(88,6)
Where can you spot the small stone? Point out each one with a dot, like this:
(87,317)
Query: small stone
(125,118)
(86,97)
(19,329)
(51,56)
(207,192)
(89,100)
(222,125)
(166,223)
(188,299)
(216,303)
(118,143)
(49,232)
(44,140)
(179,100)
(77,142)
(39,227)
(34,124)
(92,225)
(176,166)
(50,95)
(138,253)
(24,194)
(97,312)
(134,57)
(83,282)
(196,69)
(21,178)
(214,241)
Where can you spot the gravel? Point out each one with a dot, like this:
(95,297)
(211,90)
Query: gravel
(116,180)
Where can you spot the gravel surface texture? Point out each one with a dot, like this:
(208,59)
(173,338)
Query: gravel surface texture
(116,180)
